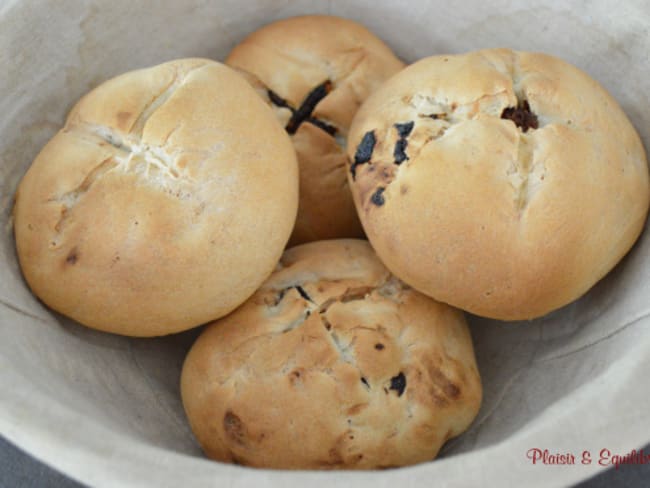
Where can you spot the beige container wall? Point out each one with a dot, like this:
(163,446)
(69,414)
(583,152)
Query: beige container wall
(106,410)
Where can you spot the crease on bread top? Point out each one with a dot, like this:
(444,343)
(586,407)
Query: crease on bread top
(134,131)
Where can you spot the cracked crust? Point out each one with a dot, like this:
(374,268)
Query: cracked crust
(287,61)
(522,182)
(333,363)
(164,201)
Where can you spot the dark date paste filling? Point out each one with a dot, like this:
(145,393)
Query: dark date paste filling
(398,383)
(403,131)
(301,291)
(364,151)
(277,100)
(378,197)
(399,153)
(521,116)
(304,112)
(329,128)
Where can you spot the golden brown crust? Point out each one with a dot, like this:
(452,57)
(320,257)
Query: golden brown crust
(164,201)
(291,57)
(481,214)
(333,363)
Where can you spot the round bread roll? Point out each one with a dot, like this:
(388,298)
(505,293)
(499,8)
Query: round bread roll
(315,71)
(164,202)
(333,363)
(504,183)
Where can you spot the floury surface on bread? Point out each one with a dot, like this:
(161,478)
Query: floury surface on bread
(315,71)
(333,363)
(504,183)
(164,202)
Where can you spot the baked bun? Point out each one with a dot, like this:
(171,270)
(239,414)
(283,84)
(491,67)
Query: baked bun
(164,202)
(316,70)
(504,183)
(333,363)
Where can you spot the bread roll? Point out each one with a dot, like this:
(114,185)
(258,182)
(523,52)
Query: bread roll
(164,202)
(504,183)
(333,363)
(315,71)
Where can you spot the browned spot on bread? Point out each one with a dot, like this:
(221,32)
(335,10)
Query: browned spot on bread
(452,390)
(239,459)
(379,346)
(335,456)
(371,185)
(329,464)
(438,399)
(326,323)
(295,377)
(326,304)
(73,256)
(234,428)
(446,386)
(387,174)
(403,189)
(358,293)
(356,409)
(123,118)
(64,214)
